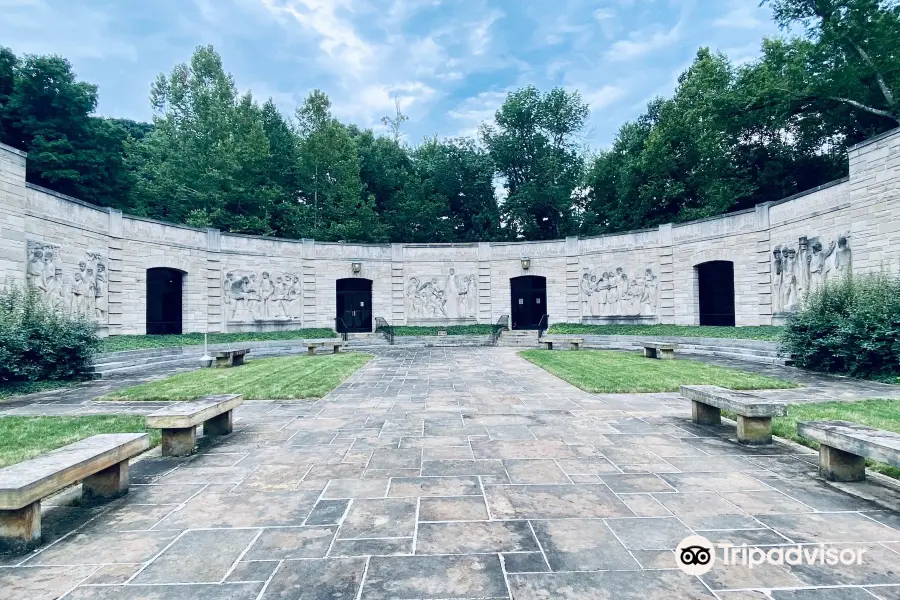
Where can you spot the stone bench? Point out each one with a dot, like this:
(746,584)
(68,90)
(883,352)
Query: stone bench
(754,413)
(231,358)
(844,447)
(660,350)
(312,345)
(180,420)
(99,462)
(574,343)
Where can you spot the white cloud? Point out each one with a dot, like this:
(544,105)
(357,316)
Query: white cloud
(480,37)
(742,15)
(472,112)
(603,97)
(643,42)
(343,48)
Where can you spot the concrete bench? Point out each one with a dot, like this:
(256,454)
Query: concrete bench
(844,447)
(312,345)
(99,462)
(180,420)
(754,414)
(231,358)
(660,350)
(574,343)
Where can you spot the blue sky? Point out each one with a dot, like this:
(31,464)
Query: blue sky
(451,62)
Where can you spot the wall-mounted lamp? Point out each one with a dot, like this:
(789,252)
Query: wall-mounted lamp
(526,264)
(357,266)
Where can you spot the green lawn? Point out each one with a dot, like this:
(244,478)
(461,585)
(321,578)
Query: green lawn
(22,438)
(605,371)
(882,414)
(283,378)
(765,332)
(409,330)
(117,343)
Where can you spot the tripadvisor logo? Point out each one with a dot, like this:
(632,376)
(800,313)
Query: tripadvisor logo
(696,555)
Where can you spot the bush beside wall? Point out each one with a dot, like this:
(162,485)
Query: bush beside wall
(849,326)
(38,343)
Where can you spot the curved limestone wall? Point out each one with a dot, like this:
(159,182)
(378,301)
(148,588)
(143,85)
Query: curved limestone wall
(96,261)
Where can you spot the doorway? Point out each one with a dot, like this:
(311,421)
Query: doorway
(164,301)
(528,301)
(354,305)
(716,287)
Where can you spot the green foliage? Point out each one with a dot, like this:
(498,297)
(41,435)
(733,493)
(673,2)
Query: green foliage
(850,325)
(603,371)
(764,332)
(880,414)
(283,378)
(534,148)
(729,137)
(410,330)
(22,438)
(46,112)
(39,343)
(119,343)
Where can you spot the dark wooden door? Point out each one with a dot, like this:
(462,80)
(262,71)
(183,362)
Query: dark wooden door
(354,305)
(529,301)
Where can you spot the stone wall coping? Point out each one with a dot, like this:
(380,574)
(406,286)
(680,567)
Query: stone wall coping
(13,150)
(68,198)
(875,139)
(163,223)
(819,188)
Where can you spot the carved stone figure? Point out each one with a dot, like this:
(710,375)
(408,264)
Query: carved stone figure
(86,293)
(801,270)
(777,278)
(454,297)
(615,293)
(268,297)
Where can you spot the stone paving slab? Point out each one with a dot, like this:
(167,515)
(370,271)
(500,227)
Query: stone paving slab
(460,474)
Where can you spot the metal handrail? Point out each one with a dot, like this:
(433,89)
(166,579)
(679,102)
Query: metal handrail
(385,328)
(341,327)
(502,323)
(543,325)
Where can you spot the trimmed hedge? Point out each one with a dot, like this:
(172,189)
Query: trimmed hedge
(140,342)
(849,326)
(765,332)
(38,343)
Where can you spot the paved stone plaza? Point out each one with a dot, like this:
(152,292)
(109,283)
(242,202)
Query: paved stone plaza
(460,473)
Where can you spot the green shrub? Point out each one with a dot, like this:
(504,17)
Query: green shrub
(851,326)
(38,343)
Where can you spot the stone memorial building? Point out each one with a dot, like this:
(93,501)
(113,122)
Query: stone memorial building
(135,275)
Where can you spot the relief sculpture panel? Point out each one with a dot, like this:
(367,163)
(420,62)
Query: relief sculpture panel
(76,289)
(266,296)
(446,297)
(800,268)
(615,293)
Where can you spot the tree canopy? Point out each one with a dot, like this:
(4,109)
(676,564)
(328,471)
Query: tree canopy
(730,136)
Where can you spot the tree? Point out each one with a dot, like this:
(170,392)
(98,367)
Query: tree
(330,178)
(851,55)
(533,145)
(205,163)
(46,111)
(458,175)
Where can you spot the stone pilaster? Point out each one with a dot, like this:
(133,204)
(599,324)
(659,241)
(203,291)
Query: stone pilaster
(485,306)
(309,284)
(214,320)
(573,280)
(763,264)
(398,299)
(114,271)
(666,307)
(12,214)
